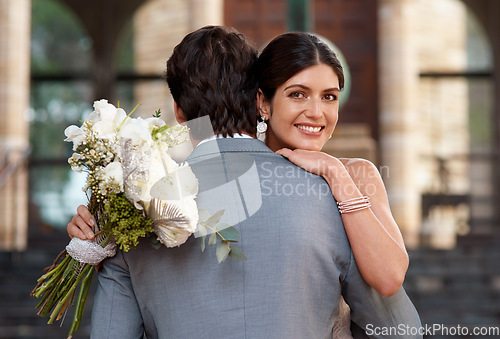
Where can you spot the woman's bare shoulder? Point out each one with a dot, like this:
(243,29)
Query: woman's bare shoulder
(360,168)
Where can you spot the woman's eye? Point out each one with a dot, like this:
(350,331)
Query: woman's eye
(330,97)
(296,95)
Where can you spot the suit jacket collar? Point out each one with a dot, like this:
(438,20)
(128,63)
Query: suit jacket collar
(224,145)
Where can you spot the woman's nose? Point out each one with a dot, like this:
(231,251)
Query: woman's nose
(314,108)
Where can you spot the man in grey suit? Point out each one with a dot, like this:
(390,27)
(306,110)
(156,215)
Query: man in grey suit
(299,258)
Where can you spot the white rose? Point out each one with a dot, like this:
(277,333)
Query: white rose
(155,122)
(136,130)
(75,135)
(113,175)
(99,106)
(106,119)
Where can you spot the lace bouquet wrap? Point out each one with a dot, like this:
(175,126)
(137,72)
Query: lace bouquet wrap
(135,190)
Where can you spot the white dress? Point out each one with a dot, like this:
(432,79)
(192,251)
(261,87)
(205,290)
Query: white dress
(342,326)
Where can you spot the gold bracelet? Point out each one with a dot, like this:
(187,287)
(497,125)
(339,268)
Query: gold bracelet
(354,204)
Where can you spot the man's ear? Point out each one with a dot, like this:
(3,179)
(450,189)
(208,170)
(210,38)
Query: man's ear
(263,105)
(179,113)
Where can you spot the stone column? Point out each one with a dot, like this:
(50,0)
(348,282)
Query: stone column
(397,90)
(205,12)
(15,20)
(159,25)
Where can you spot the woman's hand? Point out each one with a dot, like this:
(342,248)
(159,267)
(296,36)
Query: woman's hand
(315,162)
(81,224)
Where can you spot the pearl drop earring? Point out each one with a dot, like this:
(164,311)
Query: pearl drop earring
(261,128)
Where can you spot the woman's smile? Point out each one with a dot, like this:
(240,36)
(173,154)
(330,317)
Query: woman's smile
(310,129)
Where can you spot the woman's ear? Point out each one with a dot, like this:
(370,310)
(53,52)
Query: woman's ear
(179,113)
(263,105)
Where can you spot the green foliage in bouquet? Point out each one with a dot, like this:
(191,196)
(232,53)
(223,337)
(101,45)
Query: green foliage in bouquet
(124,222)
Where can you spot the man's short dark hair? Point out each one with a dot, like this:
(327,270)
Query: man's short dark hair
(211,73)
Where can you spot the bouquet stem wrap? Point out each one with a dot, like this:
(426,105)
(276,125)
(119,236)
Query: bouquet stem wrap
(89,251)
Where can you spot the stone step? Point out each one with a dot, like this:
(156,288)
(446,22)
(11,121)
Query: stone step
(18,274)
(45,332)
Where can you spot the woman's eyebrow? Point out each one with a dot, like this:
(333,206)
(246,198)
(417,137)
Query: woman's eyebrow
(296,85)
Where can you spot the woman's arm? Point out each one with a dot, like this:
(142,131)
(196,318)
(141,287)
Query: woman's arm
(375,239)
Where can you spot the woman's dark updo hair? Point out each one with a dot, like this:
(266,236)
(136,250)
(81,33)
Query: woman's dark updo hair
(211,73)
(290,53)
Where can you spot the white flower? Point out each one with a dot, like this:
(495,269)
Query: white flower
(164,160)
(155,173)
(100,107)
(155,122)
(113,174)
(75,162)
(171,235)
(179,184)
(75,135)
(174,221)
(106,119)
(173,199)
(136,130)
(143,166)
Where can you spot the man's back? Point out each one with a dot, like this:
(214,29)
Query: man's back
(298,259)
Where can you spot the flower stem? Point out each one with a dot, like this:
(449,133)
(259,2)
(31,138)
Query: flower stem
(81,300)
(55,275)
(55,270)
(67,294)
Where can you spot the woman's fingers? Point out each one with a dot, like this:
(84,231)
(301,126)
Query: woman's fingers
(75,231)
(302,158)
(312,161)
(84,226)
(286,152)
(85,214)
(81,224)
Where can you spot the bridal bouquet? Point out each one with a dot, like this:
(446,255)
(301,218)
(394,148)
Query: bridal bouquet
(135,190)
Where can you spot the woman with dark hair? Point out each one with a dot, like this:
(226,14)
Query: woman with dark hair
(300,79)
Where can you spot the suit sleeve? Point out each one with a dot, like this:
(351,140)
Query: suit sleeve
(378,316)
(116,313)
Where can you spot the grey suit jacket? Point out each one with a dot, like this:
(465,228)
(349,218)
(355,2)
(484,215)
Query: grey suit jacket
(299,263)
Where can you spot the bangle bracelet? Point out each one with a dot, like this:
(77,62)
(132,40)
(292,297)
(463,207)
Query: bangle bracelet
(354,204)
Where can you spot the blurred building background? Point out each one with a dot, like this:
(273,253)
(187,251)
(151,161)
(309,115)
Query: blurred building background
(422,102)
